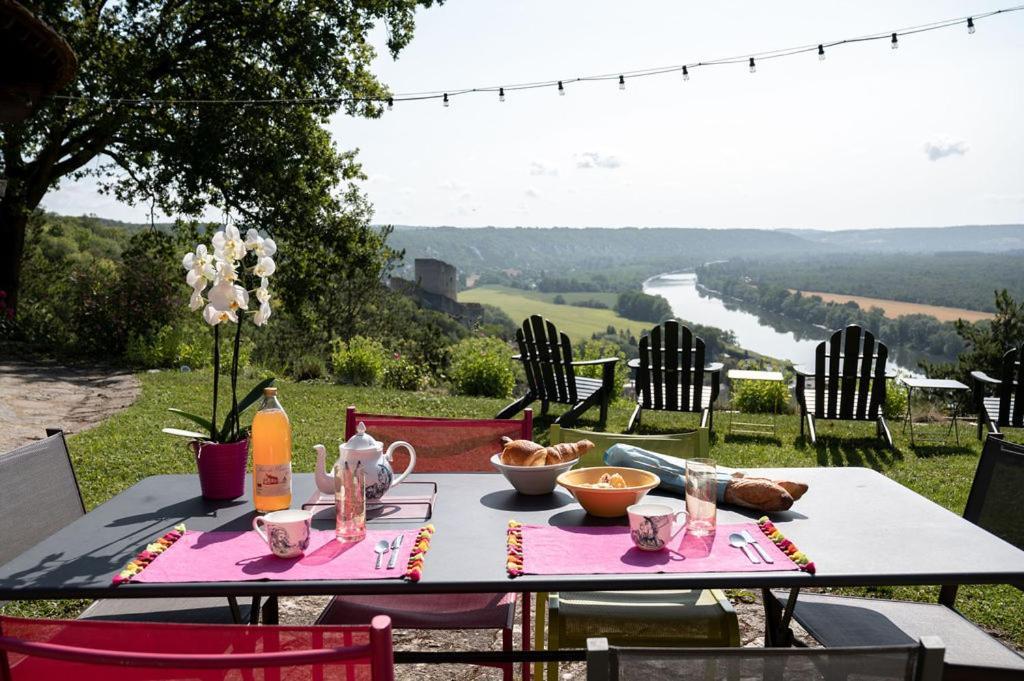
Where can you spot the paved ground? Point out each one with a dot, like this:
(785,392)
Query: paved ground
(35,396)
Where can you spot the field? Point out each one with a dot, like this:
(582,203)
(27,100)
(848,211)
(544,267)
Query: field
(898,308)
(577,322)
(129,446)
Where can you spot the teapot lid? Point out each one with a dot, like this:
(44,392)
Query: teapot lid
(362,439)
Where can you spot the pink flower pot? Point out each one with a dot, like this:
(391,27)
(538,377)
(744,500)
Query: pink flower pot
(221,468)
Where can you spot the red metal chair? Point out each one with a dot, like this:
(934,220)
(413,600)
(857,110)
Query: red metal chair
(448,445)
(95,650)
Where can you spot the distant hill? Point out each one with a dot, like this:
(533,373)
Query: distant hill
(978,238)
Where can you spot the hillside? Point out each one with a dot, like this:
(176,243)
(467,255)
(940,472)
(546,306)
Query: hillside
(979,238)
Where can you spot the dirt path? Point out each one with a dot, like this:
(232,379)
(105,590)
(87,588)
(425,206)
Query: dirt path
(35,396)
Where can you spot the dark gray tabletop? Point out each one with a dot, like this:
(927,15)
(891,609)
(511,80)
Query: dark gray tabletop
(859,527)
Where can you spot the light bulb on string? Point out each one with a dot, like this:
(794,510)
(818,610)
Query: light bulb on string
(895,42)
(391,103)
(561,90)
(970,25)
(446,100)
(501,94)
(686,74)
(753,66)
(622,83)
(821,53)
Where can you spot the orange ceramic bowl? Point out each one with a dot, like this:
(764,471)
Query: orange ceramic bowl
(612,502)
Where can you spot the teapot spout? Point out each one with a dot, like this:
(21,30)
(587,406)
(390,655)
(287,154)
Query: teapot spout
(324,481)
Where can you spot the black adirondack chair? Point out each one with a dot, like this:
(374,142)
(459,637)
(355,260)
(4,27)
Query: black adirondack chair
(551,376)
(849,382)
(671,374)
(1006,409)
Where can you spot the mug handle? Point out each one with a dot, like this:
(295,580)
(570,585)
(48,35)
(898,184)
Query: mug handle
(259,530)
(412,459)
(678,526)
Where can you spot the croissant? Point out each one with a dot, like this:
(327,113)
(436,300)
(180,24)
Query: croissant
(566,451)
(517,452)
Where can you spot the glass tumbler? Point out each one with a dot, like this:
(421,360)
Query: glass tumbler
(701,497)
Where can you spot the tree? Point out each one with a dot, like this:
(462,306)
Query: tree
(273,165)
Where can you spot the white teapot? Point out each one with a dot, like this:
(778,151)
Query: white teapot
(376,462)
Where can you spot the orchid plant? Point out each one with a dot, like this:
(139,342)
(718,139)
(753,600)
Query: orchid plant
(222,279)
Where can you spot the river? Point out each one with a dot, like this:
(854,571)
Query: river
(758,331)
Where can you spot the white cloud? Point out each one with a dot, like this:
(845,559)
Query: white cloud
(943,147)
(541,168)
(532,193)
(593,159)
(451,185)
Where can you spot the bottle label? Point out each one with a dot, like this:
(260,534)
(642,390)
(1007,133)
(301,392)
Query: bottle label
(273,480)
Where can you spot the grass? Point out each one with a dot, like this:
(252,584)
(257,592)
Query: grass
(576,322)
(129,447)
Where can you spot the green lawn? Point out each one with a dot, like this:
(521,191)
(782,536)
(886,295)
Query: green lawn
(577,322)
(129,446)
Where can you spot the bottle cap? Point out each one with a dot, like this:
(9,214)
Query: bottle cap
(270,392)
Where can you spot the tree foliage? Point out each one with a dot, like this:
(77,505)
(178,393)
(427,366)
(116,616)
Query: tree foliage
(272,165)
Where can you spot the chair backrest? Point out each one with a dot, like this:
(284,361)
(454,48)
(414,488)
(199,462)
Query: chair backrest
(914,662)
(546,355)
(849,375)
(671,372)
(694,444)
(38,494)
(994,500)
(1011,388)
(85,650)
(443,444)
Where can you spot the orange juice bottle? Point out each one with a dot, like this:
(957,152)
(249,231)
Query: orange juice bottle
(271,455)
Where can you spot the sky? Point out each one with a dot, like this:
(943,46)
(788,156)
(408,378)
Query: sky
(926,135)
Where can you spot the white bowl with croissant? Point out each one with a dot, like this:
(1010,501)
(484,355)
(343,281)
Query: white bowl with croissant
(532,468)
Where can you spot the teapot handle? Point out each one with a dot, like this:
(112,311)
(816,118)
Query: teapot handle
(412,459)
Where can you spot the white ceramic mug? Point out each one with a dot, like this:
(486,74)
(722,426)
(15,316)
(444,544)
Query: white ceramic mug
(287,532)
(652,526)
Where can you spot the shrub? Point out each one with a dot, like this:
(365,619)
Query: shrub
(401,374)
(895,406)
(760,397)
(359,361)
(482,366)
(596,348)
(559,299)
(309,367)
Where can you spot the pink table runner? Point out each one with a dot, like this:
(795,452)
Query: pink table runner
(189,556)
(548,550)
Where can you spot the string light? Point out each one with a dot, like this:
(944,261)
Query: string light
(146,102)
(753,66)
(391,103)
(561,90)
(821,53)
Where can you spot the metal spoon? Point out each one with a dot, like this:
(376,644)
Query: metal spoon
(753,542)
(395,543)
(739,542)
(380,548)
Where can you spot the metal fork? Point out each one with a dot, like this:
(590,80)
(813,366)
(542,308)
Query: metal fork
(753,542)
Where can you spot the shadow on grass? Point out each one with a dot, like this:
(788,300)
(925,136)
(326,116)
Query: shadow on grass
(926,450)
(752,438)
(865,452)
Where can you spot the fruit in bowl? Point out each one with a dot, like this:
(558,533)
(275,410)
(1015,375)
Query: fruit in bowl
(606,491)
(533,468)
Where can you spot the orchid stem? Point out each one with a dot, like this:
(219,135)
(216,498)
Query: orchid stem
(216,378)
(234,380)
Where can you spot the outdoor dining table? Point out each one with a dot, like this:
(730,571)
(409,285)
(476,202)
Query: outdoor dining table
(858,526)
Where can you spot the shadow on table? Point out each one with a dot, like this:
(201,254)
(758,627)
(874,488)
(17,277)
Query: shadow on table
(510,500)
(178,512)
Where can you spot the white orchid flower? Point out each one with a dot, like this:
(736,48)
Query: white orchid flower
(267,248)
(265,267)
(227,296)
(200,267)
(226,270)
(263,248)
(213,316)
(228,244)
(263,293)
(196,301)
(262,315)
